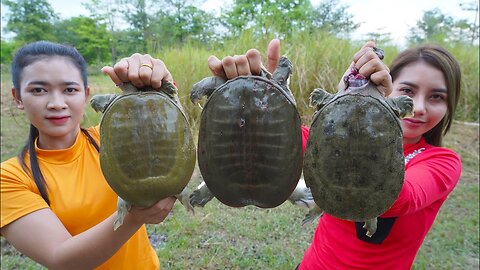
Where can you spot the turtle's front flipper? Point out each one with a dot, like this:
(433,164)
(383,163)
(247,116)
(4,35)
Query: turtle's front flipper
(402,105)
(185,200)
(201,196)
(122,209)
(205,87)
(302,195)
(370,226)
(100,102)
(319,98)
(312,215)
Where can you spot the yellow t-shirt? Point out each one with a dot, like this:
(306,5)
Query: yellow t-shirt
(79,195)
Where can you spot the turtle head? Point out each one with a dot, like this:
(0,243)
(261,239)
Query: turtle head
(100,102)
(282,71)
(205,87)
(319,98)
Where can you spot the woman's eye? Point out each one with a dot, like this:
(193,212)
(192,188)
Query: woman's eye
(38,90)
(437,97)
(70,90)
(406,91)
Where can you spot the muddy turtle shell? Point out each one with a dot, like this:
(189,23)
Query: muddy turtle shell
(147,150)
(249,145)
(354,160)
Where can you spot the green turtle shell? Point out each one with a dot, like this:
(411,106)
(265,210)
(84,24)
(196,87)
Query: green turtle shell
(354,161)
(249,143)
(147,151)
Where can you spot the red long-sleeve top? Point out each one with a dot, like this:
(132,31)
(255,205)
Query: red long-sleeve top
(429,177)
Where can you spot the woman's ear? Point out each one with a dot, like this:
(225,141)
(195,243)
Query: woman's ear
(87,93)
(17,99)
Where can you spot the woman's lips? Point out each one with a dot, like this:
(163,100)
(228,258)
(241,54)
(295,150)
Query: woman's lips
(58,120)
(413,122)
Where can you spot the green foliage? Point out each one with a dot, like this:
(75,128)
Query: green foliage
(30,20)
(89,37)
(7,49)
(267,17)
(333,18)
(434,26)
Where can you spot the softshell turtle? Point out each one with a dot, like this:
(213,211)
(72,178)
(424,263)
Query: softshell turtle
(250,139)
(147,151)
(354,160)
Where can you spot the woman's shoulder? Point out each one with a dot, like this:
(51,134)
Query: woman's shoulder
(12,171)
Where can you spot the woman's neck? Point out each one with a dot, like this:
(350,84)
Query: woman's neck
(47,142)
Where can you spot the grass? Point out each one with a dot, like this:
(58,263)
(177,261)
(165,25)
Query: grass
(220,237)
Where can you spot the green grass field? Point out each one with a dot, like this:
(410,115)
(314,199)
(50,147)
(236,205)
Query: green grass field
(219,237)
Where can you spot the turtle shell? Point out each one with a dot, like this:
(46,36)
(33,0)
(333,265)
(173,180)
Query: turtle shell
(147,150)
(249,143)
(354,160)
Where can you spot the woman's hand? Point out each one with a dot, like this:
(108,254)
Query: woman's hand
(368,63)
(153,214)
(140,70)
(249,63)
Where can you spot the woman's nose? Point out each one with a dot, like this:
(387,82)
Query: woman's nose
(56,101)
(419,106)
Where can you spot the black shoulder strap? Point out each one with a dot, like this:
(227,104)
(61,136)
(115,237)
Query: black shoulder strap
(90,138)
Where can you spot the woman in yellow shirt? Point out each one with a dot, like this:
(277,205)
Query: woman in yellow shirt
(56,206)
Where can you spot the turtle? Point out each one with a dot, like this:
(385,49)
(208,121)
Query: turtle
(147,150)
(354,160)
(249,141)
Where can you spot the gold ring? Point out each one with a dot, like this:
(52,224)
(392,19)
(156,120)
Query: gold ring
(147,65)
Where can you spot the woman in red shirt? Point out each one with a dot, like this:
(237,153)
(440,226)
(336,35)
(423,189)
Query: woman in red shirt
(431,77)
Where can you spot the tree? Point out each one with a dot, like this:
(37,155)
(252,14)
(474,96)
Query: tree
(333,18)
(180,21)
(107,12)
(30,20)
(438,27)
(279,17)
(89,37)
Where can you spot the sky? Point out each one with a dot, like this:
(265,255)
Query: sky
(383,16)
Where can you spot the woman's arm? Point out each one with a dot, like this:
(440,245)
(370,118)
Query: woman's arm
(41,236)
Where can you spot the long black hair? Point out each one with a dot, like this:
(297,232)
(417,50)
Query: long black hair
(25,56)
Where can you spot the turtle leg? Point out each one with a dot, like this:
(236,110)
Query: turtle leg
(205,87)
(100,102)
(302,195)
(371,226)
(319,98)
(402,105)
(312,215)
(122,209)
(185,200)
(201,196)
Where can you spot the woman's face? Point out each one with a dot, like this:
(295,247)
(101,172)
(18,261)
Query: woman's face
(53,96)
(427,87)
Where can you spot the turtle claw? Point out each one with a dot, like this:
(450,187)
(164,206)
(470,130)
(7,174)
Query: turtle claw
(312,215)
(371,227)
(123,208)
(185,201)
(201,196)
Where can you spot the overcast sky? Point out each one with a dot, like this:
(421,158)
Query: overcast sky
(385,16)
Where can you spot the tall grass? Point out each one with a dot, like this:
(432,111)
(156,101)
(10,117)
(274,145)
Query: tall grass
(319,61)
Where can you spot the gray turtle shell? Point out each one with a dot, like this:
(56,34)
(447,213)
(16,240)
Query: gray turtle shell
(147,150)
(354,160)
(249,145)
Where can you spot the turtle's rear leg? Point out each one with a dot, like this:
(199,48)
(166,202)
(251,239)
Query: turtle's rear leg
(312,215)
(201,196)
(122,209)
(371,226)
(185,200)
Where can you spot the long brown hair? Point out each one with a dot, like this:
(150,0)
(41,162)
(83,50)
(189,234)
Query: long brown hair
(442,60)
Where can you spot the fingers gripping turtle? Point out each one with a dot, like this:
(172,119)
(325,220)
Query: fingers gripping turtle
(147,151)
